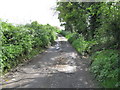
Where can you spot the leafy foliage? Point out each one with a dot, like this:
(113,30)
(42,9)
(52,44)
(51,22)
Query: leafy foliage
(21,41)
(105,67)
(94,28)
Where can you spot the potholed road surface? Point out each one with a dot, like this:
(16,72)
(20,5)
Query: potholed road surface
(58,67)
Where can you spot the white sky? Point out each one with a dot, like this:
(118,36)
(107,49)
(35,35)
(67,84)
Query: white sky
(22,11)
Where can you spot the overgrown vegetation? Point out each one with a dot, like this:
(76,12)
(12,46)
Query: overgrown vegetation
(23,42)
(93,28)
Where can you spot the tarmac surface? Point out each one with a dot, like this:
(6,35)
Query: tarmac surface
(60,66)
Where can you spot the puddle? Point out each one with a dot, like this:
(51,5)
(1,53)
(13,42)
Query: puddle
(65,68)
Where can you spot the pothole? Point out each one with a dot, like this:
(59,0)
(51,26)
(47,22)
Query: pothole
(61,60)
(64,64)
(64,61)
(65,68)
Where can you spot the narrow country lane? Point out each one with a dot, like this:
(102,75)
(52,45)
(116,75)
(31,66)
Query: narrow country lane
(58,67)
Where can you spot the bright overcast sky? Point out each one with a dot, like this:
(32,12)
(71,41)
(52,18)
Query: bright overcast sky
(22,11)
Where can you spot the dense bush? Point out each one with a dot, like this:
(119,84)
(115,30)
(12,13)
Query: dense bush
(64,33)
(19,42)
(79,42)
(105,67)
(80,45)
(73,37)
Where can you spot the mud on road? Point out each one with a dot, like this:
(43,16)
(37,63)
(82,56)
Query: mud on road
(58,67)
